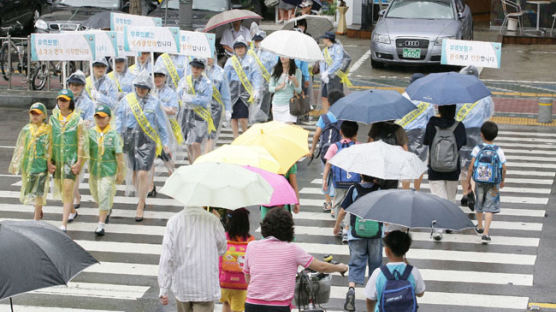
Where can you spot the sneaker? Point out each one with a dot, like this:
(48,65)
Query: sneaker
(99,231)
(463,201)
(437,236)
(72,216)
(63,228)
(344,236)
(478,230)
(349,305)
(485,239)
(326,207)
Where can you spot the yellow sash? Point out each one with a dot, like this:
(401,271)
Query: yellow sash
(465,110)
(132,68)
(217,96)
(407,119)
(112,76)
(264,72)
(343,76)
(102,134)
(176,130)
(199,110)
(243,78)
(35,132)
(143,121)
(89,86)
(171,69)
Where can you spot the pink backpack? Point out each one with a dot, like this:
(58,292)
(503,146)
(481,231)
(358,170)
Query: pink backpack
(231,264)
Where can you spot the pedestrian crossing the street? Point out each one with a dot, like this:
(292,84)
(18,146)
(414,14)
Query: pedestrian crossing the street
(460,273)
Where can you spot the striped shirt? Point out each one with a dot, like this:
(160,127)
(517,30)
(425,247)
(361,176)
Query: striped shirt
(193,243)
(272,265)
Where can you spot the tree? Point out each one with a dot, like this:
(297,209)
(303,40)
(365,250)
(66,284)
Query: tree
(135,7)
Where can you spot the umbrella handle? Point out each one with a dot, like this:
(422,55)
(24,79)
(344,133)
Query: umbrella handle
(11,304)
(433,223)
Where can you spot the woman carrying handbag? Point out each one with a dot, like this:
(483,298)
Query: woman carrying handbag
(285,83)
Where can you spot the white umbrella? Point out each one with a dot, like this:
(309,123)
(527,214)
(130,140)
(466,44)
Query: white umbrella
(380,160)
(316,25)
(292,44)
(217,185)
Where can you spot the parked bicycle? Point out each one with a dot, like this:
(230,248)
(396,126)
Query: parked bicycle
(17,61)
(45,68)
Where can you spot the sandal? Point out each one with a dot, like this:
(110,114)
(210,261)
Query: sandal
(326,207)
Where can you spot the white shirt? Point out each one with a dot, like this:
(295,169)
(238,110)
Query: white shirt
(229,36)
(193,243)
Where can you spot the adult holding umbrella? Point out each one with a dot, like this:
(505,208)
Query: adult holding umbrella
(239,20)
(36,255)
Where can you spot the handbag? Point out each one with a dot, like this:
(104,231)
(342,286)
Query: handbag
(297,104)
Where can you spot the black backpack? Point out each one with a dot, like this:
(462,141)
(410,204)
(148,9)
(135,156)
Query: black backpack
(330,135)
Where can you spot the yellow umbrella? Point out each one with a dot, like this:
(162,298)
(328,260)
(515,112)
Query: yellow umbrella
(246,155)
(286,143)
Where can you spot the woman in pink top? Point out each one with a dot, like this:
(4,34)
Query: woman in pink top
(271,265)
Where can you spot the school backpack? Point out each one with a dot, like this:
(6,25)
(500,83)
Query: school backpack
(330,135)
(341,178)
(487,166)
(361,228)
(231,265)
(444,155)
(398,293)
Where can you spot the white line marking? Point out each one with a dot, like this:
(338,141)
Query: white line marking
(96,290)
(359,62)
(6,308)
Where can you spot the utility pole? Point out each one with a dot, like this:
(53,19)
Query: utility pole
(186,14)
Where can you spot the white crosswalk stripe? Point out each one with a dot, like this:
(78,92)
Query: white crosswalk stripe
(131,250)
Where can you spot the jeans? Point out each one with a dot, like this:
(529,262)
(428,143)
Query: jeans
(363,252)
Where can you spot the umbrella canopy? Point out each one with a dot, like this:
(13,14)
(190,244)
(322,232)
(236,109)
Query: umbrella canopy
(249,155)
(412,209)
(218,23)
(316,25)
(286,143)
(99,20)
(372,106)
(217,185)
(447,89)
(283,194)
(316,3)
(293,44)
(35,255)
(380,160)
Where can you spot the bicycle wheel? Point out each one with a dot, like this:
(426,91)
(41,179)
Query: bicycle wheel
(6,68)
(39,77)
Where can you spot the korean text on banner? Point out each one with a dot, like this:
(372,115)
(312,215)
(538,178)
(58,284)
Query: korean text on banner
(118,21)
(197,44)
(477,53)
(106,43)
(69,46)
(121,49)
(152,39)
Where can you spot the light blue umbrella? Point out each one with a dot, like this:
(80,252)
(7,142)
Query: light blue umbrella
(372,106)
(447,89)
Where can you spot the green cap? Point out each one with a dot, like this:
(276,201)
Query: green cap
(38,107)
(103,110)
(65,93)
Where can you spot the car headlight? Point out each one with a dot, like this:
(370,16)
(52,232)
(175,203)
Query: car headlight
(438,41)
(380,38)
(41,24)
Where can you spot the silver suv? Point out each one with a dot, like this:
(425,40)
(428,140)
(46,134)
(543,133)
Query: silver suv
(411,31)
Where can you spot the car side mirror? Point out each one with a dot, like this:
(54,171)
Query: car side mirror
(381,13)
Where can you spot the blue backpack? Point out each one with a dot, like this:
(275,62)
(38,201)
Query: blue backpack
(330,135)
(398,294)
(341,178)
(487,167)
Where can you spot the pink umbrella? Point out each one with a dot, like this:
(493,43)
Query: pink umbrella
(283,192)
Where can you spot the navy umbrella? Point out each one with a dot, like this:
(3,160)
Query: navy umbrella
(372,106)
(447,89)
(412,209)
(36,255)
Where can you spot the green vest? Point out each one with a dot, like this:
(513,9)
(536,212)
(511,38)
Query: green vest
(104,163)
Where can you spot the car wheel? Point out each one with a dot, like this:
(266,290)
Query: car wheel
(376,64)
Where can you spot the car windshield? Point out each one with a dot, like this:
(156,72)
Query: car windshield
(212,5)
(106,4)
(421,9)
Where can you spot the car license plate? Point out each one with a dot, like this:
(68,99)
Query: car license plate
(411,53)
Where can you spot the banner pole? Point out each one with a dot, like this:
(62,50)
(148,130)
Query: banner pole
(64,74)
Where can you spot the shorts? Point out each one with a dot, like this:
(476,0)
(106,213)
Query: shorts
(35,185)
(140,150)
(473,139)
(334,84)
(487,197)
(285,6)
(196,132)
(103,190)
(234,297)
(330,191)
(240,110)
(249,307)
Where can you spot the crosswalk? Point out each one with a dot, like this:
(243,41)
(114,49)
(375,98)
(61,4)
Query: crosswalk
(460,273)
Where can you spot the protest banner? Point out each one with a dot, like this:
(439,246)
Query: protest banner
(152,39)
(197,44)
(477,53)
(118,21)
(67,46)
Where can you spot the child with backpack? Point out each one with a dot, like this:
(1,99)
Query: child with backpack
(232,280)
(488,170)
(444,136)
(395,285)
(326,134)
(364,239)
(341,180)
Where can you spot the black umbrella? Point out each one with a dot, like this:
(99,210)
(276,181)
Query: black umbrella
(412,209)
(36,255)
(99,20)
